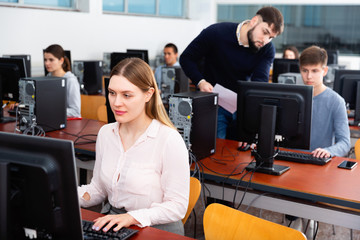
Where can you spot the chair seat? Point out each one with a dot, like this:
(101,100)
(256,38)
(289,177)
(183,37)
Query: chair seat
(225,223)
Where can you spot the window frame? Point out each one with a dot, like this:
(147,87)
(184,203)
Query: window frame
(22,4)
(184,15)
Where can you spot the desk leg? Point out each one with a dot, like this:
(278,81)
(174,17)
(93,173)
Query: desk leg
(84,167)
(83,176)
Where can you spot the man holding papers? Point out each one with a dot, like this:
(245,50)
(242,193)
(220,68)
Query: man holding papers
(232,52)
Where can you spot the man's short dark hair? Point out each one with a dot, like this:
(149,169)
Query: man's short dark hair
(173,46)
(272,16)
(313,55)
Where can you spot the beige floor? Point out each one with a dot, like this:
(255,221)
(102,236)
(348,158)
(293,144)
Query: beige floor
(325,231)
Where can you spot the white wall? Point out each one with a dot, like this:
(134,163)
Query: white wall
(89,34)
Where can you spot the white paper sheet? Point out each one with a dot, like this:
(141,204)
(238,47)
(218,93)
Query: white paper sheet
(227,98)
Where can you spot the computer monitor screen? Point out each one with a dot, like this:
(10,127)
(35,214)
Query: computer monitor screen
(347,84)
(27,59)
(282,65)
(11,70)
(38,188)
(145,55)
(67,54)
(116,57)
(266,112)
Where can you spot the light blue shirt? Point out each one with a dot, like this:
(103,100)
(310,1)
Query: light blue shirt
(330,127)
(158,73)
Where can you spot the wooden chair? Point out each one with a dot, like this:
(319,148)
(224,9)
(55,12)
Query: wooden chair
(90,104)
(222,222)
(357,149)
(195,189)
(102,113)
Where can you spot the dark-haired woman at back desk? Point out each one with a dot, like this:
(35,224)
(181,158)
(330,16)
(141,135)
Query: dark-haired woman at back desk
(58,65)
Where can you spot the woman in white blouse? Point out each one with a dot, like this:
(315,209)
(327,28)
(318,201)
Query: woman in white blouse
(141,165)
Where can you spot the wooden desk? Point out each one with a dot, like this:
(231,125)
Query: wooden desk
(147,233)
(296,192)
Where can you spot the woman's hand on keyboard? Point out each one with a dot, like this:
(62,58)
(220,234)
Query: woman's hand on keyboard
(107,222)
(320,153)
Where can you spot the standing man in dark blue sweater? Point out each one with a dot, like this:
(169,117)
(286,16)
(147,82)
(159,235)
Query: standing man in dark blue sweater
(232,52)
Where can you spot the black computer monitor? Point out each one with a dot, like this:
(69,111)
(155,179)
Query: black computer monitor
(116,57)
(38,188)
(67,54)
(145,54)
(347,84)
(89,74)
(282,65)
(27,59)
(266,112)
(11,70)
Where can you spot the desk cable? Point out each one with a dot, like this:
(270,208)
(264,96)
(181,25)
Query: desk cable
(33,128)
(247,186)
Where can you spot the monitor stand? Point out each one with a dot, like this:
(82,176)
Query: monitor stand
(265,148)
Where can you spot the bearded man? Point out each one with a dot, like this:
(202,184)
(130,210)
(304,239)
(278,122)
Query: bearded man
(230,52)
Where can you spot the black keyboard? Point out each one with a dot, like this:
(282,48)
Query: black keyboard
(301,158)
(122,234)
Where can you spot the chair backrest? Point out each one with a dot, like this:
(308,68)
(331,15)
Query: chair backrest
(357,149)
(102,113)
(222,222)
(195,189)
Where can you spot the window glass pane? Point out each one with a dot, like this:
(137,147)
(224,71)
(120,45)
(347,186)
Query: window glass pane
(53,3)
(12,1)
(236,13)
(171,8)
(329,26)
(142,6)
(113,5)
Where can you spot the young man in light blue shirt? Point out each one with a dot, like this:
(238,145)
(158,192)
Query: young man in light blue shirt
(170,58)
(330,133)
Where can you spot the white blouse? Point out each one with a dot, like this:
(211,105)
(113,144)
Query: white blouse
(150,180)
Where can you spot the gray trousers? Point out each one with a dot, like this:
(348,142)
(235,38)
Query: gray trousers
(174,227)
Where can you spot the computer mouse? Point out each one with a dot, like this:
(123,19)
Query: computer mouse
(244,148)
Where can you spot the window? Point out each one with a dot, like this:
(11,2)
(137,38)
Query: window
(113,5)
(166,8)
(44,3)
(174,8)
(333,27)
(142,6)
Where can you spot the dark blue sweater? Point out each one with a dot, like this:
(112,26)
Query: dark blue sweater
(225,61)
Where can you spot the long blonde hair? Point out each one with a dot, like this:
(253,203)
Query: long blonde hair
(140,74)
